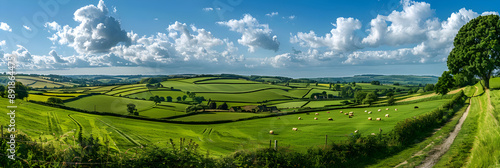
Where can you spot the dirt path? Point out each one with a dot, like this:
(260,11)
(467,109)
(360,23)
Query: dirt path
(428,95)
(436,153)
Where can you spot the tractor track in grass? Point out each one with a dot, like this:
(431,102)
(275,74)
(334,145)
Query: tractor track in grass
(80,133)
(121,133)
(434,155)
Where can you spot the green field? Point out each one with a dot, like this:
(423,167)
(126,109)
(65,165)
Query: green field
(45,96)
(484,147)
(218,87)
(323,103)
(224,138)
(40,82)
(291,104)
(163,111)
(103,103)
(334,93)
(216,116)
(221,139)
(227,81)
(266,95)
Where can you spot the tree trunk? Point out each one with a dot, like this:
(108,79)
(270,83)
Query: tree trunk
(487,82)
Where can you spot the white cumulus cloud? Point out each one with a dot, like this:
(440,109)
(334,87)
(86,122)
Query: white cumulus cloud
(5,27)
(340,38)
(254,34)
(97,32)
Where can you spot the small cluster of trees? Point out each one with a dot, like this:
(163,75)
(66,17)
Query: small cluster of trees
(54,100)
(20,90)
(131,109)
(361,97)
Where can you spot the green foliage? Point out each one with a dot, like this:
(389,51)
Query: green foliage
(169,99)
(462,79)
(375,82)
(131,108)
(194,108)
(359,96)
(337,87)
(429,87)
(389,94)
(54,100)
(198,99)
(370,98)
(2,91)
(477,48)
(20,90)
(444,84)
(156,99)
(152,80)
(420,91)
(223,106)
(391,101)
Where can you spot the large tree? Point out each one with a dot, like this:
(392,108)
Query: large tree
(477,48)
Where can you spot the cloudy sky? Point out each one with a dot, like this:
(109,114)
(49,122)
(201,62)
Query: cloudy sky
(282,37)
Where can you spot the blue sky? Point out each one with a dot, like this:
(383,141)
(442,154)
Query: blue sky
(287,38)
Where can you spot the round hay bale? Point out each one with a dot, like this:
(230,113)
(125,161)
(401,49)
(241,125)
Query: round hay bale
(395,109)
(386,108)
(341,112)
(379,110)
(366,111)
(315,118)
(330,119)
(316,114)
(369,112)
(271,132)
(278,118)
(369,118)
(327,112)
(373,133)
(295,129)
(379,119)
(346,114)
(356,131)
(300,118)
(386,115)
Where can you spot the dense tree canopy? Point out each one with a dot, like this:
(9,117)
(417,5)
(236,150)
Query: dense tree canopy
(477,48)
(444,84)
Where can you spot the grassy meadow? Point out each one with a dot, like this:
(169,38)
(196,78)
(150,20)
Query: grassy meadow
(220,139)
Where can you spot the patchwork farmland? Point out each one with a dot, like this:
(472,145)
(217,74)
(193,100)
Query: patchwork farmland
(101,112)
(224,116)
